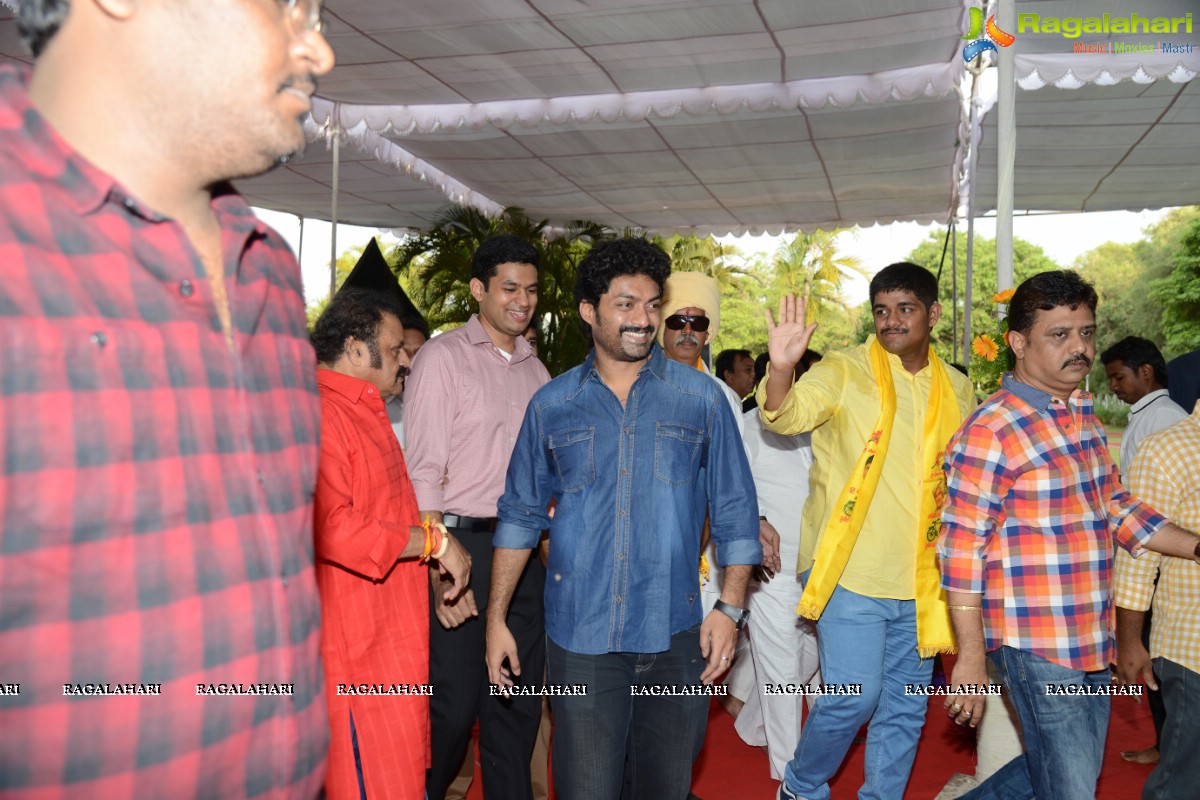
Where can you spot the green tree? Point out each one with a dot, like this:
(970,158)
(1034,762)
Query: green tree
(1028,259)
(434,266)
(809,265)
(1117,272)
(1179,294)
(345,263)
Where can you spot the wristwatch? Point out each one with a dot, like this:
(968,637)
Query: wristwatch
(738,615)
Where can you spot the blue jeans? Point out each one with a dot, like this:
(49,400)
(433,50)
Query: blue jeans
(1178,772)
(873,642)
(1064,735)
(660,735)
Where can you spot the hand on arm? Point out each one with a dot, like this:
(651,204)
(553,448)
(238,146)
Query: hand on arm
(970,669)
(786,343)
(453,602)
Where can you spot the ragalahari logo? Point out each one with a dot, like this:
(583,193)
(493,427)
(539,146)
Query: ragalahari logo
(984,37)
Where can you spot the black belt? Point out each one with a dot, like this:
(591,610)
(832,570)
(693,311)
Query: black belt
(472,524)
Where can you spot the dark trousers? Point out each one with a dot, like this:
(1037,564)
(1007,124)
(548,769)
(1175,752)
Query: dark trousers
(1158,710)
(507,726)
(610,744)
(1178,772)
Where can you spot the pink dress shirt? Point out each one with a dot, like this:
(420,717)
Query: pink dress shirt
(463,407)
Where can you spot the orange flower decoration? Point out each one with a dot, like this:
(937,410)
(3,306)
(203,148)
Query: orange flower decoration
(985,347)
(1003,297)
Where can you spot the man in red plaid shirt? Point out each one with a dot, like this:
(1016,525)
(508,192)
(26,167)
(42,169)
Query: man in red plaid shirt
(1035,507)
(158,407)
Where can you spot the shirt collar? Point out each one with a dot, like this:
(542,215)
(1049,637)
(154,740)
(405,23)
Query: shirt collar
(349,387)
(1030,394)
(477,334)
(1147,400)
(656,365)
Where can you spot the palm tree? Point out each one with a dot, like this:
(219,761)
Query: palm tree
(435,269)
(707,255)
(809,265)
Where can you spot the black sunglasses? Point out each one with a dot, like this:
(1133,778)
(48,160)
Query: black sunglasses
(676,322)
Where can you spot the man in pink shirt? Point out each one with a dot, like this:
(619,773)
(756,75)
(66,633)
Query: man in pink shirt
(464,403)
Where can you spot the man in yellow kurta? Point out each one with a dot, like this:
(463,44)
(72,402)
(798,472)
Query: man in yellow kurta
(880,415)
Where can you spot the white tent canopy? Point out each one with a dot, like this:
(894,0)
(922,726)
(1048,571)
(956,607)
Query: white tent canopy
(722,115)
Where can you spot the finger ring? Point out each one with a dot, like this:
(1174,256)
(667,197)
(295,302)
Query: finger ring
(724,658)
(966,713)
(956,708)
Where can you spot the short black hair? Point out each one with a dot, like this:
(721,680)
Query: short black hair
(760,367)
(498,250)
(355,313)
(1045,291)
(416,324)
(39,20)
(726,359)
(614,258)
(809,358)
(1135,352)
(904,276)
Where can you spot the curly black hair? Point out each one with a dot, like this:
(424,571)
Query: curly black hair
(612,259)
(353,313)
(1045,291)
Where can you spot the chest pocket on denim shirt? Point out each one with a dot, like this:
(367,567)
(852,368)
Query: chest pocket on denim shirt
(574,457)
(676,452)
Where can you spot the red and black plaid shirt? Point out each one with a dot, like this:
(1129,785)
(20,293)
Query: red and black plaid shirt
(155,495)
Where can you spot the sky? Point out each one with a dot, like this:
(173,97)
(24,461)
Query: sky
(1064,237)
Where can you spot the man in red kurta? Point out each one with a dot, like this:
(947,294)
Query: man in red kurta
(371,553)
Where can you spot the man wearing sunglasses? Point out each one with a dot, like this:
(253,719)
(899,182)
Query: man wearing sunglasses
(159,417)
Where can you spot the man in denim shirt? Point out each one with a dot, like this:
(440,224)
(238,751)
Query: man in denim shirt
(633,449)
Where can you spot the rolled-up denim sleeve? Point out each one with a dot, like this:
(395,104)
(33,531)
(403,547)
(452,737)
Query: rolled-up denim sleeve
(528,488)
(732,501)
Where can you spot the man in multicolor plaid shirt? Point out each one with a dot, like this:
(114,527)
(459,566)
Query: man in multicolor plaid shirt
(1035,504)
(159,412)
(1166,472)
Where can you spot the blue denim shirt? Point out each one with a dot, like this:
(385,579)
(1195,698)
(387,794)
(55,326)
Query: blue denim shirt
(632,484)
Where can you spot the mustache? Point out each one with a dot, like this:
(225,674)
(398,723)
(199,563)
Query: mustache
(895,330)
(686,338)
(635,329)
(1078,359)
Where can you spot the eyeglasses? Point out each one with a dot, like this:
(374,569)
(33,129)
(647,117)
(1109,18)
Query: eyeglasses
(303,16)
(677,322)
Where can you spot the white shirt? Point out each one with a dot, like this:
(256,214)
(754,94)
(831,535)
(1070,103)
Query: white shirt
(1149,415)
(780,467)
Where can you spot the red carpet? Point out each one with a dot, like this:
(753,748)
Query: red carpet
(729,769)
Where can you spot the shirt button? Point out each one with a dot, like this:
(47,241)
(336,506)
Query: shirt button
(186,288)
(129,204)
(99,338)
(617,599)
(620,556)
(629,430)
(261,478)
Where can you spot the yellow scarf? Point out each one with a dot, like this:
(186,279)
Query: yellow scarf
(934,634)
